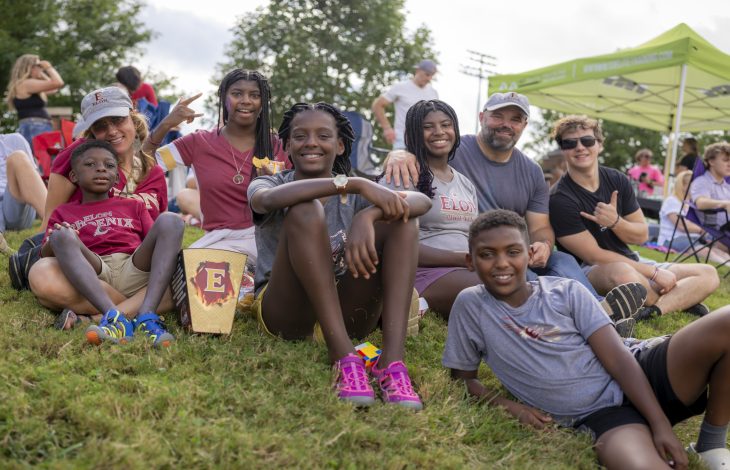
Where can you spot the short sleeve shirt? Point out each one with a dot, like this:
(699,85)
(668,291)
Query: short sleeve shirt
(538,350)
(223,203)
(114,225)
(671,205)
(10,143)
(568,200)
(705,185)
(517,184)
(268,226)
(403,95)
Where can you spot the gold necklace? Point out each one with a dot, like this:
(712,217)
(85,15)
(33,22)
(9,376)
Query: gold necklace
(238,178)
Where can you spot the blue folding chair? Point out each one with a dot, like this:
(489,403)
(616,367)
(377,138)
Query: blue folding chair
(366,159)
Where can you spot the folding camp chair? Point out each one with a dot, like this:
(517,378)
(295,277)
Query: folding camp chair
(45,147)
(365,158)
(711,235)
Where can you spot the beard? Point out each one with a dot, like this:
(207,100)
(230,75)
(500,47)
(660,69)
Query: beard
(490,139)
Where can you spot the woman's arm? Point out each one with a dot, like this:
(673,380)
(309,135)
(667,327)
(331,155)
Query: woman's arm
(691,226)
(60,190)
(35,85)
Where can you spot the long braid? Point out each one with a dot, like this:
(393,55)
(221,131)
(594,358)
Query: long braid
(417,146)
(342,164)
(263,144)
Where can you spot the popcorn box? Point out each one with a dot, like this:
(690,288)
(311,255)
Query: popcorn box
(205,288)
(368,352)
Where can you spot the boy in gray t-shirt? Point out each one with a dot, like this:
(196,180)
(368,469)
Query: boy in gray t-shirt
(553,348)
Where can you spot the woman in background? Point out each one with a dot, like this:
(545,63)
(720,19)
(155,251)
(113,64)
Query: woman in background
(31,81)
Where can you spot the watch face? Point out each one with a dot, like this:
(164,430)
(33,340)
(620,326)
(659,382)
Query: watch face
(340,180)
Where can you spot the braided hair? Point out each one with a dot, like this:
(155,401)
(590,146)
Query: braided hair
(342,164)
(416,145)
(263,146)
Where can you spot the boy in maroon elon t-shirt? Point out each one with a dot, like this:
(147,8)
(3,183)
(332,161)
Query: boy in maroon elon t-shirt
(113,240)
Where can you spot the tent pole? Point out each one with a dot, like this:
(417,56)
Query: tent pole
(674,140)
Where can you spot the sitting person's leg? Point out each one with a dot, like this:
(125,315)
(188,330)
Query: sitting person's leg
(629,446)
(188,200)
(564,265)
(54,290)
(25,185)
(695,282)
(441,293)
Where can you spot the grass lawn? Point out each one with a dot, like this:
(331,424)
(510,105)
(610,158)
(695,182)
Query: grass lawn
(246,400)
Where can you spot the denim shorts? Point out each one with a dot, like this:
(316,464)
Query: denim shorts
(15,215)
(31,127)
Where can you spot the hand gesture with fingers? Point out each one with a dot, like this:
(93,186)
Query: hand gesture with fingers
(392,203)
(182,112)
(605,215)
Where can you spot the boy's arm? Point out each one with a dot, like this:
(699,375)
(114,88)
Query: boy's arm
(524,414)
(622,366)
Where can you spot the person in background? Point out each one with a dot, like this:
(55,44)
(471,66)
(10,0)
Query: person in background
(31,81)
(647,175)
(691,151)
(668,220)
(131,78)
(403,95)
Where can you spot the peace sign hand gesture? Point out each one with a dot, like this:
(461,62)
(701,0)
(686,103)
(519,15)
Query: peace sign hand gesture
(605,215)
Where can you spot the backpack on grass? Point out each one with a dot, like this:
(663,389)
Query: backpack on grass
(20,262)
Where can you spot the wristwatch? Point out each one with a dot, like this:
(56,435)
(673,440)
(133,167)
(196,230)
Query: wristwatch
(340,182)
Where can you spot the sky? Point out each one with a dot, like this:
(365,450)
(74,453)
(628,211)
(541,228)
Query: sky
(192,35)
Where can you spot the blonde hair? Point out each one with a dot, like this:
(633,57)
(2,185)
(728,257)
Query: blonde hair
(681,184)
(714,150)
(641,153)
(574,122)
(21,71)
(141,131)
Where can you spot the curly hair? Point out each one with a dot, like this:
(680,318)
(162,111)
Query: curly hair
(497,218)
(574,122)
(342,164)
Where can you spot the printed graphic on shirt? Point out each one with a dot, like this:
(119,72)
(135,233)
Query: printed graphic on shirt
(546,333)
(337,243)
(456,209)
(102,221)
(149,199)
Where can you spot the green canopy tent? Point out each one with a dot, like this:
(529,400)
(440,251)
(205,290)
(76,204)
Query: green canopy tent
(676,82)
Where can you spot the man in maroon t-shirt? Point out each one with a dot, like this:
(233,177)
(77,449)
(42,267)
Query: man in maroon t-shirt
(106,244)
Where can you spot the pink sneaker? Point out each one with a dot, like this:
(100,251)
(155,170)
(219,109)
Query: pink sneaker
(395,385)
(352,382)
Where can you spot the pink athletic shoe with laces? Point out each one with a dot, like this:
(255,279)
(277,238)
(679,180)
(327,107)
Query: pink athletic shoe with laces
(395,385)
(352,381)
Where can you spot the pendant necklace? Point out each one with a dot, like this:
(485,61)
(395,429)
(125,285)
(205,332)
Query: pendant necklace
(238,178)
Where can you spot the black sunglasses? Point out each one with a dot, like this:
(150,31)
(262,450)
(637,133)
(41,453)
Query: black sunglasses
(102,124)
(586,141)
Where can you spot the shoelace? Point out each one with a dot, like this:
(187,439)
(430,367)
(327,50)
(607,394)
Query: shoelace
(114,328)
(397,381)
(351,376)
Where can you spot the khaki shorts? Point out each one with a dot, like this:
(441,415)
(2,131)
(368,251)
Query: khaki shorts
(119,271)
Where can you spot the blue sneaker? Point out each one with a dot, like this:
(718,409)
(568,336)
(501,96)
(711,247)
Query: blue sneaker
(151,325)
(113,327)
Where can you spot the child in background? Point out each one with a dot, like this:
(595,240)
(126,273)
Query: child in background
(115,240)
(555,350)
(131,78)
(668,220)
(328,263)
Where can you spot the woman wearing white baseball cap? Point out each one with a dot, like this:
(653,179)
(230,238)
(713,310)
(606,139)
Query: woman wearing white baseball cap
(107,114)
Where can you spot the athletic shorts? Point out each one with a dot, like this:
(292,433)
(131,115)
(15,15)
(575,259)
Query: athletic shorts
(15,215)
(257,311)
(653,362)
(427,276)
(119,271)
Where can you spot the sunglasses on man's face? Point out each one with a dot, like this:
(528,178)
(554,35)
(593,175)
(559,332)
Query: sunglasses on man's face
(103,124)
(586,141)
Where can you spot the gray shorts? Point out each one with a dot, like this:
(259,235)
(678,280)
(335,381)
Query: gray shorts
(15,215)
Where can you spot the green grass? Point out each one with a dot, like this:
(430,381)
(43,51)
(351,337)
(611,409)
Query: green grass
(246,400)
